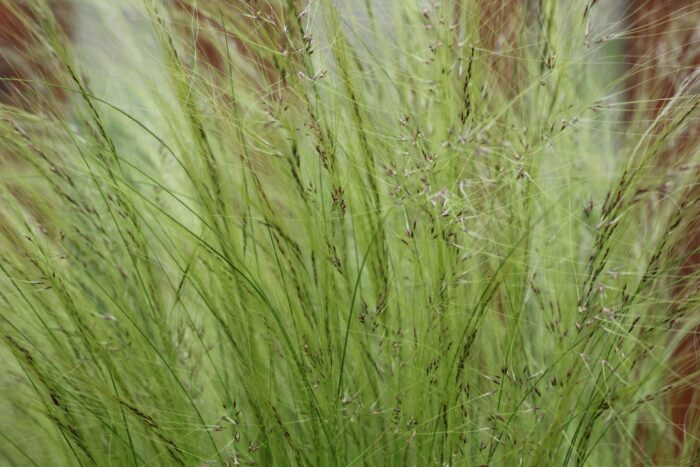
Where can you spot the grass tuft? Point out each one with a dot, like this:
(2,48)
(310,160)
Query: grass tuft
(329,233)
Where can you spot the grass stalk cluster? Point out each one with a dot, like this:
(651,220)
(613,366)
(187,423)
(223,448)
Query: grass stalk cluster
(338,233)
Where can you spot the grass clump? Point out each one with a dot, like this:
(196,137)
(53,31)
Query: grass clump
(324,234)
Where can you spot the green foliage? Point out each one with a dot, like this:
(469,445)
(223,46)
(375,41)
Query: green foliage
(374,239)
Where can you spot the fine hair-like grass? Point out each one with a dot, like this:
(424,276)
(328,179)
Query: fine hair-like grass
(301,233)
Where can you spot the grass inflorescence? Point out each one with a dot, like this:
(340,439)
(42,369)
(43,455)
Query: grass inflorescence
(328,233)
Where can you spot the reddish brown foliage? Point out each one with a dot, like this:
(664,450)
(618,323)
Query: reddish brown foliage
(662,51)
(24,67)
